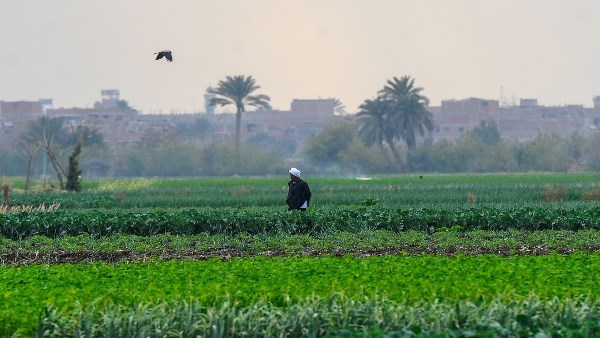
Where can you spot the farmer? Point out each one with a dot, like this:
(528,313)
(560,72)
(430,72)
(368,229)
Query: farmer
(299,194)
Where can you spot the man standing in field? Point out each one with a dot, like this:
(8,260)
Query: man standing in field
(299,194)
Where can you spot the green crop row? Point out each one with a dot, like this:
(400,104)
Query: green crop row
(396,191)
(334,316)
(19,225)
(407,279)
(477,242)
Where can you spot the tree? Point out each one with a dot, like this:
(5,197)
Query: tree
(153,138)
(520,155)
(359,159)
(488,132)
(374,126)
(399,112)
(326,147)
(88,136)
(45,131)
(50,135)
(574,147)
(237,90)
(200,128)
(74,171)
(338,107)
(543,153)
(591,152)
(408,114)
(445,157)
(30,148)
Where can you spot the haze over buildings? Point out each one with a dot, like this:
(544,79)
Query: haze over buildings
(68,50)
(122,125)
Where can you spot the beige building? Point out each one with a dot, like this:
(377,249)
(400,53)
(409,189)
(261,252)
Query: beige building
(520,122)
(120,124)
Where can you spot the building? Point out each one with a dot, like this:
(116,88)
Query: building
(14,117)
(111,116)
(119,124)
(520,123)
(122,125)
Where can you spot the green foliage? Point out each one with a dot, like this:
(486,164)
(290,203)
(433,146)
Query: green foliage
(283,282)
(326,148)
(543,153)
(592,151)
(200,128)
(19,225)
(337,315)
(409,115)
(409,191)
(399,112)
(74,171)
(370,201)
(487,131)
(474,241)
(426,295)
(360,159)
(476,151)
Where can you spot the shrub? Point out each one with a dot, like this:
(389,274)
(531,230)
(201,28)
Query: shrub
(592,195)
(554,192)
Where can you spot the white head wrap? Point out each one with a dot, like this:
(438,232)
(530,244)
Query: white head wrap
(295,172)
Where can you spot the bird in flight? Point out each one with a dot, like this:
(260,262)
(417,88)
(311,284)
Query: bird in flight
(166,54)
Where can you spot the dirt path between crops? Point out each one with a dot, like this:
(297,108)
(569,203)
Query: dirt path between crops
(126,256)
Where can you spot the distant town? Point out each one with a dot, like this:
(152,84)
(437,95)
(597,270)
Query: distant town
(122,125)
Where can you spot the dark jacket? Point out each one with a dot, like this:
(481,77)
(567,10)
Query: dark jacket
(298,193)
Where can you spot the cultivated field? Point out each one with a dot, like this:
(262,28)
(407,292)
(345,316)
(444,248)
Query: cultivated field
(419,256)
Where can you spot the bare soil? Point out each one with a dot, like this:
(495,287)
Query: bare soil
(127,256)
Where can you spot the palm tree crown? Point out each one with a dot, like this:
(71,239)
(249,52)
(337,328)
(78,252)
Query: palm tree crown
(338,107)
(374,127)
(237,90)
(410,115)
(399,112)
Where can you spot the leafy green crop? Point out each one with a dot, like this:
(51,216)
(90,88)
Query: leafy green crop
(407,191)
(335,315)
(27,290)
(98,223)
(467,242)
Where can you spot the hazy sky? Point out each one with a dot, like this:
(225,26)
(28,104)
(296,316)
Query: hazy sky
(69,50)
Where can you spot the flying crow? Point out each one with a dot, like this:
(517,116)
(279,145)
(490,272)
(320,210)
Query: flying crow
(166,54)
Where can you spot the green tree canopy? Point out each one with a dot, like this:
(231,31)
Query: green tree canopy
(374,125)
(325,148)
(409,114)
(487,130)
(399,112)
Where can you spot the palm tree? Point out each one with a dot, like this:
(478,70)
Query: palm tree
(374,127)
(338,107)
(409,114)
(237,90)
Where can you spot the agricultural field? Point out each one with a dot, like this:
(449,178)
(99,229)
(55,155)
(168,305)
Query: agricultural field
(406,256)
